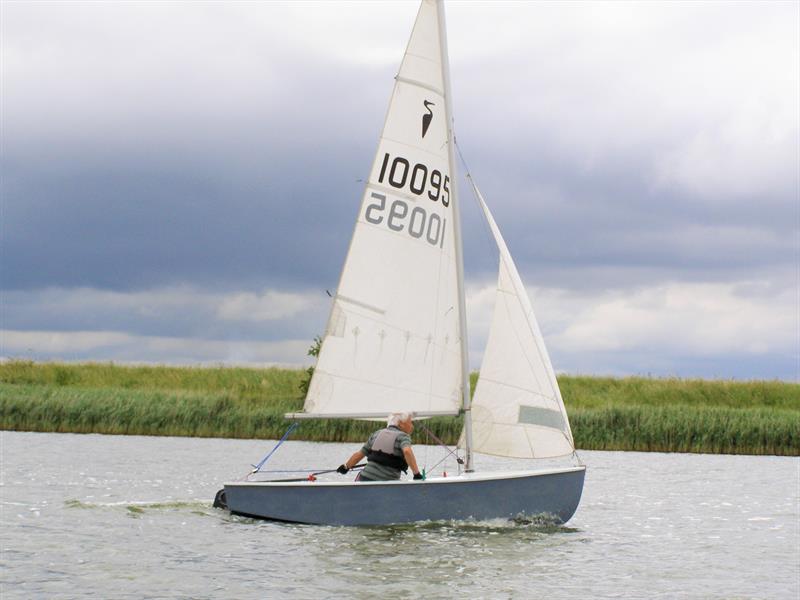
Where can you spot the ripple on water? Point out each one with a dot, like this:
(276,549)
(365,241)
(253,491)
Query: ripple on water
(150,530)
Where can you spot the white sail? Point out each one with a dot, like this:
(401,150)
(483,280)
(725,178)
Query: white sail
(517,410)
(392,342)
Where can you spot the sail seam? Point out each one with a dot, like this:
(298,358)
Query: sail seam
(516,387)
(526,431)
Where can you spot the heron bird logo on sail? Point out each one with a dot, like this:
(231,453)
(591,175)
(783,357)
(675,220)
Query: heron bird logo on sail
(427,117)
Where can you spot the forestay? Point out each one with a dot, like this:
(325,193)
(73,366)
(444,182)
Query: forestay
(392,342)
(517,410)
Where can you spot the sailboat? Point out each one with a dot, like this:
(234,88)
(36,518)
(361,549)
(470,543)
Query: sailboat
(396,338)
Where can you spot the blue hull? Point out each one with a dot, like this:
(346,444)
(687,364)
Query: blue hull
(555,493)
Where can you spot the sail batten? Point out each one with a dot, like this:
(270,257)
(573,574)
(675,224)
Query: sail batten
(421,84)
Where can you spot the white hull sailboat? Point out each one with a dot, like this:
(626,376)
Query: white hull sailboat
(396,339)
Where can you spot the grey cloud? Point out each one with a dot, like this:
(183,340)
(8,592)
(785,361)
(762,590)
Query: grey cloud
(558,227)
(184,312)
(222,167)
(185,190)
(225,157)
(658,364)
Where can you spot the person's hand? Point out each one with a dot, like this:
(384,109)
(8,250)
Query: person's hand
(342,469)
(419,476)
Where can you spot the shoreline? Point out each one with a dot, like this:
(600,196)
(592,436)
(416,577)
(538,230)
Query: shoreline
(618,414)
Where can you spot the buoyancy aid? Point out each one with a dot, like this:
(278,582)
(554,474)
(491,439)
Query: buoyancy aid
(383,450)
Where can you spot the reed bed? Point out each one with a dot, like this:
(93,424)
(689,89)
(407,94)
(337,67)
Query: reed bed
(665,415)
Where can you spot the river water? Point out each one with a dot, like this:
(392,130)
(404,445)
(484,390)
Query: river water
(131,517)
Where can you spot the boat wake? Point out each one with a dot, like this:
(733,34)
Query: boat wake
(137,507)
(546,524)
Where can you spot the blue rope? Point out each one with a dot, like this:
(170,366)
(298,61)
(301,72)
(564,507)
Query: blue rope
(292,427)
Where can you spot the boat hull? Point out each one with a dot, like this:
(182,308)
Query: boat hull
(554,493)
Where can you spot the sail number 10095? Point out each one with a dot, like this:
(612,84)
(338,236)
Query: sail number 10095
(399,173)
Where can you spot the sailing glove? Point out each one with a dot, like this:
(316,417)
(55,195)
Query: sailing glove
(342,469)
(419,476)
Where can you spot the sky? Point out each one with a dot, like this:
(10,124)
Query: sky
(180,180)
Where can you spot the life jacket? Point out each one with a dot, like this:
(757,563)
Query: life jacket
(383,451)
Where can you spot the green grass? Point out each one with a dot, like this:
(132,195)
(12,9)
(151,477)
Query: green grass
(677,428)
(669,415)
(600,392)
(244,383)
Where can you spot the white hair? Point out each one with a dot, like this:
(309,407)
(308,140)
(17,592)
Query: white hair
(397,418)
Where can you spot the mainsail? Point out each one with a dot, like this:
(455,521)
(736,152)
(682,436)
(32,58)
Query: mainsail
(517,410)
(393,340)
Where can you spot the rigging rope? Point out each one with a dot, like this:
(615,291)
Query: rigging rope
(257,468)
(459,460)
(489,236)
(446,456)
(309,477)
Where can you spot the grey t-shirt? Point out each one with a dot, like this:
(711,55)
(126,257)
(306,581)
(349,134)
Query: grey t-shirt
(381,472)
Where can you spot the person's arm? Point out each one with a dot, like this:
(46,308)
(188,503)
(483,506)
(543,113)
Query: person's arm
(408,453)
(351,462)
(355,459)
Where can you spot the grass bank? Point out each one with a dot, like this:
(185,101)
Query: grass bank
(670,415)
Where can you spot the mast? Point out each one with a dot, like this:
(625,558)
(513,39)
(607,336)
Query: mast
(462,312)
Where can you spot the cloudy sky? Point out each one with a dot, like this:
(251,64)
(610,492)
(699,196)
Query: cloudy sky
(180,180)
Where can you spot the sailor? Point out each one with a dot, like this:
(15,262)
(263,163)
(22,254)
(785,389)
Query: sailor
(388,452)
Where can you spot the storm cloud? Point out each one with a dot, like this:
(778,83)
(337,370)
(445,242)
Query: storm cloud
(180,180)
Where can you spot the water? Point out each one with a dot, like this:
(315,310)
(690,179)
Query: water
(131,517)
